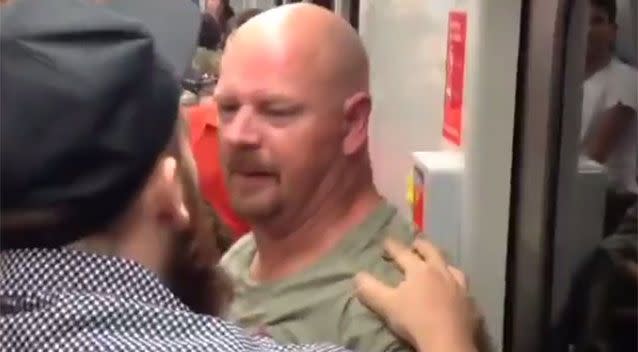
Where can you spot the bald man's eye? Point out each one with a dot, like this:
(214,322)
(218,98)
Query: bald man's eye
(281,111)
(227,110)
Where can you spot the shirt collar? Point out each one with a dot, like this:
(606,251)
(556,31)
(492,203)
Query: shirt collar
(200,117)
(66,270)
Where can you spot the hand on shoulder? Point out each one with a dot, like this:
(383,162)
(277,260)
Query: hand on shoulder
(430,308)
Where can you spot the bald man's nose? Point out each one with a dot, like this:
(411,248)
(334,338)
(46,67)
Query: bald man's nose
(241,130)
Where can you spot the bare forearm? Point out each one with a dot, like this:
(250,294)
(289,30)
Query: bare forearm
(447,345)
(451,339)
(614,122)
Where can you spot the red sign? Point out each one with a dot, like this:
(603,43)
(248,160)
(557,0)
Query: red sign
(455,72)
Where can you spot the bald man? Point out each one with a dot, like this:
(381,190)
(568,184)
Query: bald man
(294,106)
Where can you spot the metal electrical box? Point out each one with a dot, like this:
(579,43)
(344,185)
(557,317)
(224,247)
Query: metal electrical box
(436,199)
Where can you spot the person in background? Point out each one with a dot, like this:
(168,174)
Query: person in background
(210,32)
(601,314)
(103,243)
(203,123)
(221,10)
(293,130)
(206,60)
(609,130)
(204,68)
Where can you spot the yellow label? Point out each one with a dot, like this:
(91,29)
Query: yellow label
(410,194)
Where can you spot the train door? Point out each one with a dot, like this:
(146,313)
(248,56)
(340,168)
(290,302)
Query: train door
(531,207)
(548,93)
(560,197)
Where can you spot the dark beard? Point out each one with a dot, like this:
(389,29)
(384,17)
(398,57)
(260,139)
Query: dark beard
(202,286)
(195,277)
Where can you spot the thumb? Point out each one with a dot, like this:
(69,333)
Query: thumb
(373,294)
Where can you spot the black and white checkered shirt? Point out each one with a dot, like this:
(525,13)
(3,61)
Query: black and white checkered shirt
(54,300)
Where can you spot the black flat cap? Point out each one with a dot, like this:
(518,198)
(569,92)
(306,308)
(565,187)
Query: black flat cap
(88,101)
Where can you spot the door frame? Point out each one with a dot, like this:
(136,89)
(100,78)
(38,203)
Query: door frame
(547,121)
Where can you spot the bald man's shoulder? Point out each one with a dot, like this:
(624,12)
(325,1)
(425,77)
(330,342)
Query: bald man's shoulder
(363,330)
(318,304)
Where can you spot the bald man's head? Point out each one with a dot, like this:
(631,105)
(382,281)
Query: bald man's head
(320,38)
(294,103)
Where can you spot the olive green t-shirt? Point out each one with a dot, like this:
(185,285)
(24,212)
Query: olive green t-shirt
(318,304)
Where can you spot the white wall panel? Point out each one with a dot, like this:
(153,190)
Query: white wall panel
(406,41)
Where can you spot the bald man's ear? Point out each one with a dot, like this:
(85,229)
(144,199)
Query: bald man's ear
(357,111)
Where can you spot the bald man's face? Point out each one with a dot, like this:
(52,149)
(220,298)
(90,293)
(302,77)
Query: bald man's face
(281,127)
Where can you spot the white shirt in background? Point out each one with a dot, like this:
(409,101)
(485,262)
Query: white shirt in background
(615,83)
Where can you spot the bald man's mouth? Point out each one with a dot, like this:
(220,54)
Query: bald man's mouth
(256,174)
(248,172)
(250,180)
